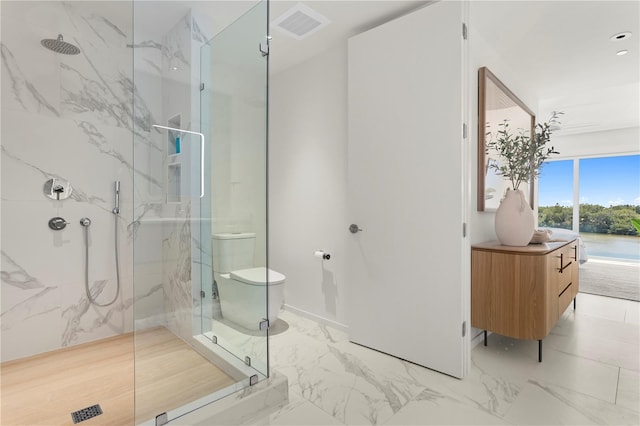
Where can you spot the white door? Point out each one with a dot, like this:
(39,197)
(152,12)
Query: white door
(406,188)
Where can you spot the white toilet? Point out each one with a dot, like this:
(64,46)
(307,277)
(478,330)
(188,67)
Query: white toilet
(241,286)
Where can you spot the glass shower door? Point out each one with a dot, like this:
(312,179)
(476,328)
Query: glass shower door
(183,362)
(234,69)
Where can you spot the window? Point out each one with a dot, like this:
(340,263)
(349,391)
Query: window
(555,195)
(608,190)
(609,199)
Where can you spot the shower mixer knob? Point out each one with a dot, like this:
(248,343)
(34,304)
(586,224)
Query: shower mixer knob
(57,223)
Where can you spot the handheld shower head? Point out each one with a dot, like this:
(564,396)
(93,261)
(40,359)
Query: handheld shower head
(116,209)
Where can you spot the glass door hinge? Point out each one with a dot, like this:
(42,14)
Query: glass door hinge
(264,48)
(264,325)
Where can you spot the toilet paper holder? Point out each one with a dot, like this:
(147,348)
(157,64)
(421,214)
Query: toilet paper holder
(322,255)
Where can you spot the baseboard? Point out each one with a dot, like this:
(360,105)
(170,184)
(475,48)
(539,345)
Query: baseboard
(477,339)
(158,320)
(317,318)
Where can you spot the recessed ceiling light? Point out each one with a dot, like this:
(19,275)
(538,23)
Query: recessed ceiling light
(622,52)
(620,36)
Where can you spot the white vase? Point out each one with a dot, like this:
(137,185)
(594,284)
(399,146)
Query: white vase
(514,220)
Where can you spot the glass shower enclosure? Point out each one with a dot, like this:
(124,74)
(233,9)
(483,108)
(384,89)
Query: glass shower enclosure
(206,148)
(133,136)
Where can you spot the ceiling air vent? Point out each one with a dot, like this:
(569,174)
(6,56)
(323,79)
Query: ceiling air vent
(300,21)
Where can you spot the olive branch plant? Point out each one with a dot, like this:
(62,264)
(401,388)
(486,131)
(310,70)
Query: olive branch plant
(522,155)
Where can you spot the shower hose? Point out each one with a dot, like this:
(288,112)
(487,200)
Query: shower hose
(86,266)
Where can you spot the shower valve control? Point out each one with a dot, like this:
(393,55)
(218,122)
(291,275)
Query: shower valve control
(354,229)
(57,223)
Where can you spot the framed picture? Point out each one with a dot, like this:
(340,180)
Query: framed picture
(496,103)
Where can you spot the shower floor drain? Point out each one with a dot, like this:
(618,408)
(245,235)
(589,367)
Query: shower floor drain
(86,413)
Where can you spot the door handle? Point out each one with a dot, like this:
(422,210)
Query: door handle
(354,229)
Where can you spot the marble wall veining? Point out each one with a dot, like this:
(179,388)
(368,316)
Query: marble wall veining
(89,119)
(167,253)
(69,117)
(177,234)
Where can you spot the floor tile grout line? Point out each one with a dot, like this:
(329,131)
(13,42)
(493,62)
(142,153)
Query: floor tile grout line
(581,356)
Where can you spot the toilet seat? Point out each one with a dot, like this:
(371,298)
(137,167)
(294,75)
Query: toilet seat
(256,276)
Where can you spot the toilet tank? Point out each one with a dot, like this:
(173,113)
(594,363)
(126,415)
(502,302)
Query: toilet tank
(232,251)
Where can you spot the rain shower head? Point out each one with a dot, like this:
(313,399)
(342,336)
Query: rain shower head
(60,46)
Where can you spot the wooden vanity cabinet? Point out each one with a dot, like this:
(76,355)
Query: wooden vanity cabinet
(521,292)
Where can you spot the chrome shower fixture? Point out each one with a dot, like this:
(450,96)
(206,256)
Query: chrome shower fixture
(116,209)
(60,46)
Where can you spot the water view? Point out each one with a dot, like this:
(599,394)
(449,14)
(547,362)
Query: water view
(615,246)
(606,199)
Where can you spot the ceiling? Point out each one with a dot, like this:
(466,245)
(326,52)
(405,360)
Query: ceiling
(560,48)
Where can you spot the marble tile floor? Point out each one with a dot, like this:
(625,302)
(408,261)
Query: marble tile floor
(590,374)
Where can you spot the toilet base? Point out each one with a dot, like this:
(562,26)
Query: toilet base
(246,305)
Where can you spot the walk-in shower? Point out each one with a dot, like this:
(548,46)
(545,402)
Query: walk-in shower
(108,302)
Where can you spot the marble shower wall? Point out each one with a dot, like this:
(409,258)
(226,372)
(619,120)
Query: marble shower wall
(177,231)
(167,252)
(69,117)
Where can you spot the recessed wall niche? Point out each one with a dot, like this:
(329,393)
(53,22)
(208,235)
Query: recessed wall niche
(173,182)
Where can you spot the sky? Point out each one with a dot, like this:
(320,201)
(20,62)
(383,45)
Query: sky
(606,181)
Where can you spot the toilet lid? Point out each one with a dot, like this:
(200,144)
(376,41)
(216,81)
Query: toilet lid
(256,276)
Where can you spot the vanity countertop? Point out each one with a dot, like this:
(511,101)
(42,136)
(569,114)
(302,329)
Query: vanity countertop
(533,249)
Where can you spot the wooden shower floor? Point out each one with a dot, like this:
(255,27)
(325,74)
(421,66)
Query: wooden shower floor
(45,389)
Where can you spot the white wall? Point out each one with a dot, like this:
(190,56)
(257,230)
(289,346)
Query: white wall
(481,224)
(308,182)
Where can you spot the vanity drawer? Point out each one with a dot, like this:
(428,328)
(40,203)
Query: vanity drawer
(564,299)
(564,260)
